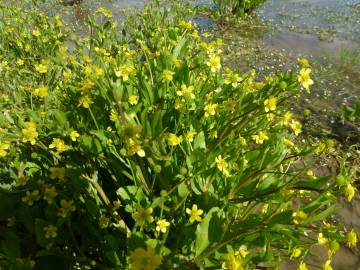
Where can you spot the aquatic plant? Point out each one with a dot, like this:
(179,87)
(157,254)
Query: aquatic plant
(135,147)
(236,7)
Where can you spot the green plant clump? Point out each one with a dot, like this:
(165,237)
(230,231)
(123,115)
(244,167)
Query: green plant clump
(236,8)
(137,149)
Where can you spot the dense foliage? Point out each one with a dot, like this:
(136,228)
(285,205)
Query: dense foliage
(135,148)
(236,7)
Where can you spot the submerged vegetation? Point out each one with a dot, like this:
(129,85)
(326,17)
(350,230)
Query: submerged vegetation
(135,147)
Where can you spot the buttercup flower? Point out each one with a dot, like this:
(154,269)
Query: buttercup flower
(299,217)
(214,63)
(162,225)
(59,145)
(57,173)
(322,240)
(31,197)
(85,101)
(302,266)
(3,147)
(133,99)
(167,75)
(352,239)
(41,68)
(195,214)
(29,133)
(349,192)
(50,194)
(296,253)
(327,265)
(186,91)
(174,140)
(125,71)
(270,104)
(50,231)
(304,78)
(142,215)
(296,127)
(74,135)
(222,165)
(234,262)
(260,138)
(210,109)
(141,259)
(42,91)
(190,135)
(66,208)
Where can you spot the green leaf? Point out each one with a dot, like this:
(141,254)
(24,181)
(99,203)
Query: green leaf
(281,218)
(322,215)
(200,141)
(208,231)
(318,183)
(178,48)
(10,245)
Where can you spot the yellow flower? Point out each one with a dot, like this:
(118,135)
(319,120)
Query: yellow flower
(29,133)
(142,215)
(302,266)
(104,221)
(349,192)
(186,91)
(135,147)
(104,11)
(352,239)
(3,147)
(322,240)
(296,127)
(50,194)
(270,104)
(304,78)
(289,143)
(124,71)
(167,75)
(311,174)
(304,63)
(85,101)
(234,262)
(327,265)
(74,135)
(162,225)
(36,32)
(141,259)
(57,173)
(214,63)
(42,91)
(299,217)
(41,68)
(260,138)
(50,231)
(31,197)
(67,75)
(186,25)
(233,79)
(99,72)
(133,99)
(195,214)
(222,165)
(210,109)
(296,253)
(190,135)
(59,145)
(285,120)
(66,208)
(174,140)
